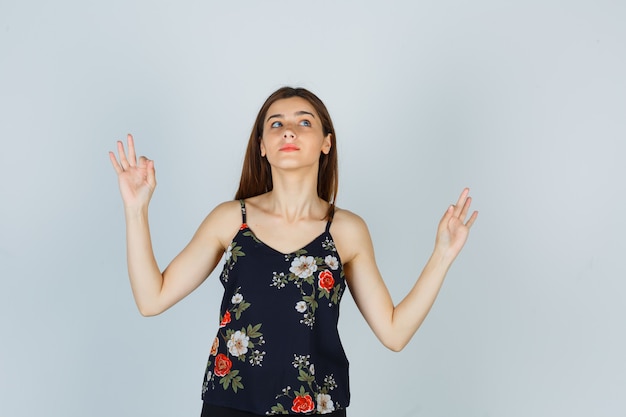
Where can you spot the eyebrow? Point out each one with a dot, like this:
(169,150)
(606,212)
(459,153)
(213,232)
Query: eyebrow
(298,113)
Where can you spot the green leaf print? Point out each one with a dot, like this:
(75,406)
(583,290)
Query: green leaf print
(336,293)
(323,293)
(279,409)
(226,380)
(237,383)
(306,377)
(249,233)
(236,251)
(253,331)
(300,252)
(302,392)
(241,307)
(311,301)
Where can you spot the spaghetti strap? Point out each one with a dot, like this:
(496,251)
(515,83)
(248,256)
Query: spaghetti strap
(243,211)
(329,222)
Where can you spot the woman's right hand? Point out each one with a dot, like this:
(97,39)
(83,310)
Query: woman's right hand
(137,179)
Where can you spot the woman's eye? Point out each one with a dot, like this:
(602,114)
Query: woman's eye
(276,124)
(305,123)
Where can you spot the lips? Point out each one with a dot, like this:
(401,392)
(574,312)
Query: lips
(289,148)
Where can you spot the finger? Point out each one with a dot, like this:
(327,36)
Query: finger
(472,219)
(120,150)
(446,216)
(465,210)
(116,165)
(151,174)
(458,207)
(148,165)
(462,197)
(142,162)
(132,156)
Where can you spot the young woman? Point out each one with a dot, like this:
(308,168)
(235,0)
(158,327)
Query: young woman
(289,254)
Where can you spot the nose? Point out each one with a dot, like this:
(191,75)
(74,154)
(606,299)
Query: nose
(289,134)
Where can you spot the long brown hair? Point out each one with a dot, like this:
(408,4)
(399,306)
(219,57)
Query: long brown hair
(256,175)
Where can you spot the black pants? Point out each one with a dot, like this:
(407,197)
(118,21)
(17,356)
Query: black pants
(215,411)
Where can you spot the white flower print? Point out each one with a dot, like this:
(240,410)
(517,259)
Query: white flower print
(329,380)
(237,298)
(229,252)
(308,319)
(256,359)
(300,360)
(301,306)
(205,384)
(238,343)
(312,369)
(303,266)
(328,244)
(332,262)
(279,280)
(324,404)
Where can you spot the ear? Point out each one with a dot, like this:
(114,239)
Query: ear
(262,146)
(327,144)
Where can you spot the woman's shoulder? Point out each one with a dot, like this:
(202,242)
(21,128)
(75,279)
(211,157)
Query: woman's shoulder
(223,221)
(227,211)
(347,218)
(349,233)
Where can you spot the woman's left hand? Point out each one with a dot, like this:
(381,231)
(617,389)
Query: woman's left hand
(453,228)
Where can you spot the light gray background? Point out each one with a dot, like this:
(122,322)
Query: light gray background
(525,102)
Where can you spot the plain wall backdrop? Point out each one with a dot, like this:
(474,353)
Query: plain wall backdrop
(525,102)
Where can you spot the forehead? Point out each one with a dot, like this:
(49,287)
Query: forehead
(289,106)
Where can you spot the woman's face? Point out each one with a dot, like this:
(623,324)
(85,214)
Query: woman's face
(293,136)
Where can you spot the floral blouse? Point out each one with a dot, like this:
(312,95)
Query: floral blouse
(277,349)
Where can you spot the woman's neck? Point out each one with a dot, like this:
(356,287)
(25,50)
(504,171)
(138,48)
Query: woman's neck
(294,198)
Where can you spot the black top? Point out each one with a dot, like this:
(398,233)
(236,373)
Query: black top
(277,350)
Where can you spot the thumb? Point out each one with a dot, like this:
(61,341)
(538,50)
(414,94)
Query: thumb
(443,223)
(448,213)
(151,174)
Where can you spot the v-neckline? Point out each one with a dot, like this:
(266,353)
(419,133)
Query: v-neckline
(285,254)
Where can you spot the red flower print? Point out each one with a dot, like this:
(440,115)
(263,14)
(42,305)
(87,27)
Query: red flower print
(243,226)
(222,365)
(225,319)
(302,404)
(326,280)
(216,345)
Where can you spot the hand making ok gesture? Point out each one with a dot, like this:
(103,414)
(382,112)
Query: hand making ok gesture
(453,228)
(136,177)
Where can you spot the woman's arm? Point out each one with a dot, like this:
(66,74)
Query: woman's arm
(395,325)
(155,292)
